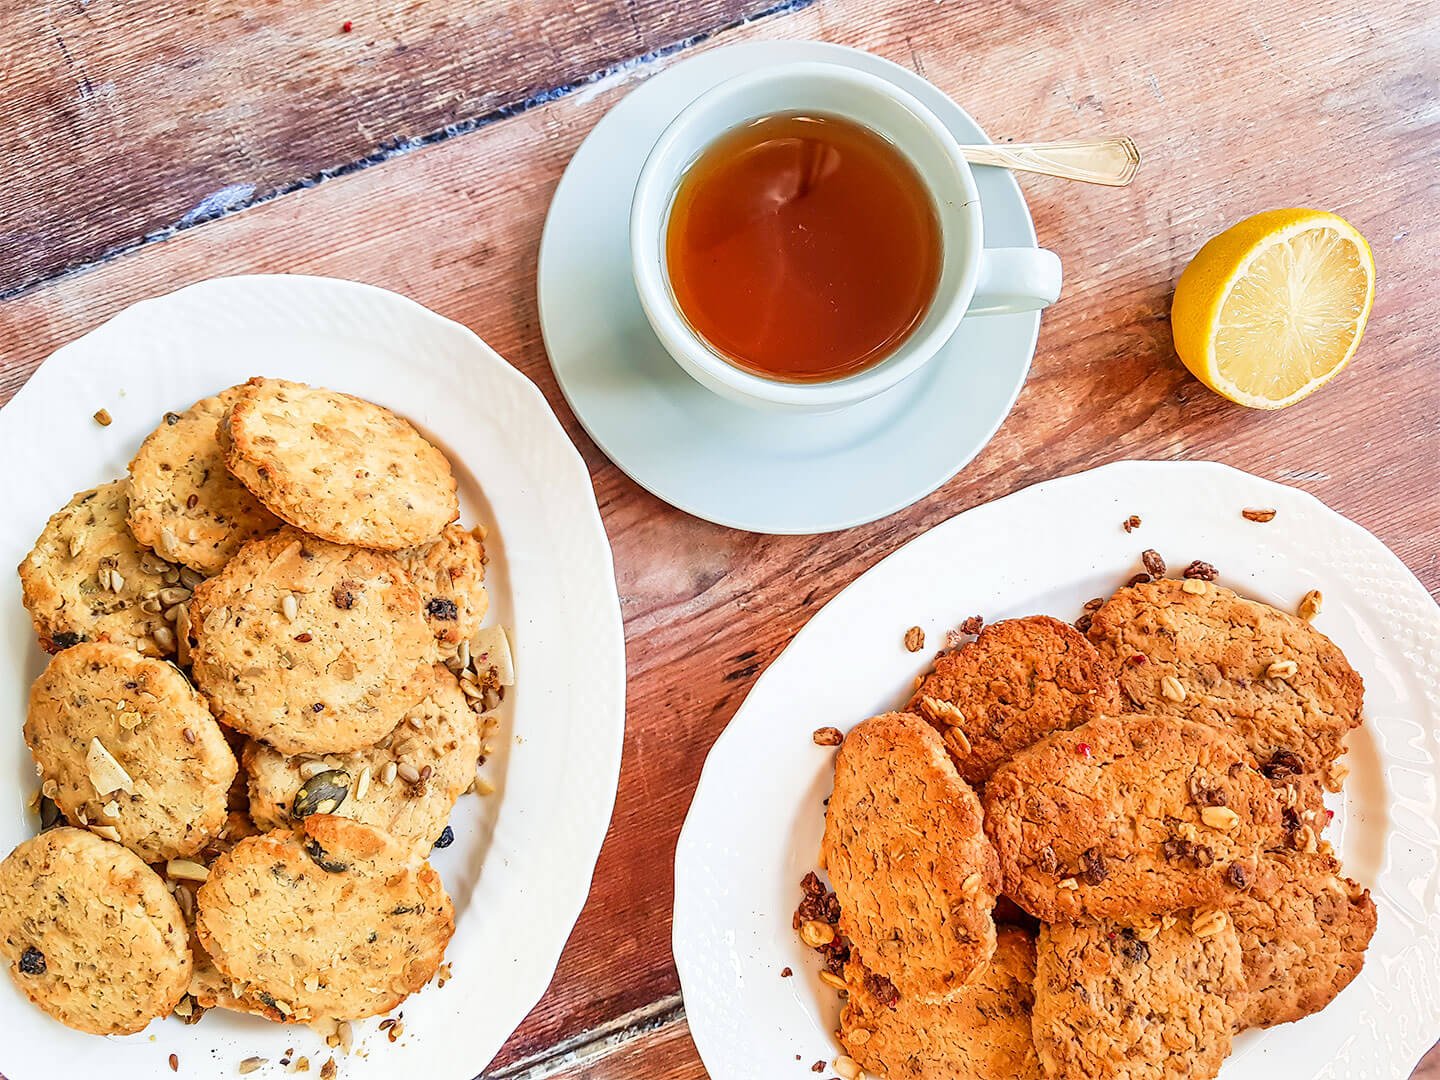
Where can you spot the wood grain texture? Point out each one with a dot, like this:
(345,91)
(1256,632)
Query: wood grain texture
(1237,108)
(188,110)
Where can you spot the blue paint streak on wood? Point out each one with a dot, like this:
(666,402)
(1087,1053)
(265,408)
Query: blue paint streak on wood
(234,197)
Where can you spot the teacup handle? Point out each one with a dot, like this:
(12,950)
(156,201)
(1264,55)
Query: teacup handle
(1015,279)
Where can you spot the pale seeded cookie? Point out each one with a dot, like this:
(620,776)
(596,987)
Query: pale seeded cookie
(1130,816)
(1113,1003)
(337,466)
(905,849)
(88,579)
(90,933)
(406,784)
(334,919)
(450,574)
(128,748)
(1194,649)
(982,1033)
(1018,681)
(184,503)
(1304,929)
(311,646)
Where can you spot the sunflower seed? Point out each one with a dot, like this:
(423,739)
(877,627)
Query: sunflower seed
(387,774)
(190,578)
(362,784)
(290,607)
(165,638)
(407,772)
(77,544)
(173,595)
(312,768)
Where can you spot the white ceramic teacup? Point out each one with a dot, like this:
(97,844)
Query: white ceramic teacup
(974,280)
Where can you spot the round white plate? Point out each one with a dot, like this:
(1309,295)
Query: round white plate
(749,469)
(754,828)
(520,867)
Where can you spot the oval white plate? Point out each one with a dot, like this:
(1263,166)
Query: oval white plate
(520,867)
(769,472)
(754,827)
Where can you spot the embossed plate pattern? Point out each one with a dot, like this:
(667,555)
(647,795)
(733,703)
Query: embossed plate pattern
(754,827)
(520,867)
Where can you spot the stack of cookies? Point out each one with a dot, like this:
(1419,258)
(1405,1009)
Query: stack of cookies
(269,686)
(1093,852)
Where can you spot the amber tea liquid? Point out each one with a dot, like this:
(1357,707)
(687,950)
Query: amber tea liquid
(803,247)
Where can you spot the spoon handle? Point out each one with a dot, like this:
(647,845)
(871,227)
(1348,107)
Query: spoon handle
(1111,162)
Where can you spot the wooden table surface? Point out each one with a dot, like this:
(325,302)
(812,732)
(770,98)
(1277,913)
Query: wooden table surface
(143,147)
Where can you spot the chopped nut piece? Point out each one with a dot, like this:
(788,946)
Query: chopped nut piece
(1282,669)
(973,625)
(1335,775)
(1201,571)
(816,933)
(1208,923)
(1172,688)
(957,742)
(941,711)
(914,639)
(847,1068)
(106,774)
(1193,586)
(1310,605)
(1153,563)
(186,870)
(250,1064)
(971,885)
(828,736)
(1131,523)
(832,980)
(102,417)
(1250,514)
(174,1063)
(1220,817)
(1067,883)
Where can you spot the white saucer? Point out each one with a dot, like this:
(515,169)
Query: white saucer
(736,466)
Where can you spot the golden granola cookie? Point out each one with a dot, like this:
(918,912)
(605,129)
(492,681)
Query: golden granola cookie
(982,1033)
(906,852)
(88,579)
(1304,929)
(1018,681)
(184,503)
(333,919)
(124,744)
(311,646)
(1130,816)
(406,784)
(337,466)
(1113,1003)
(450,574)
(90,933)
(1196,649)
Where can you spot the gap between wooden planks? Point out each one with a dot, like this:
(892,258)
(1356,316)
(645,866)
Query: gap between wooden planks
(1236,110)
(188,113)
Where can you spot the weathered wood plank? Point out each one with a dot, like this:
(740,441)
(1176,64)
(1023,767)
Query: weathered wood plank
(664,1053)
(1330,110)
(119,120)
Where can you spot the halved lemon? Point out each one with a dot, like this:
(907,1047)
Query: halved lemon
(1272,309)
